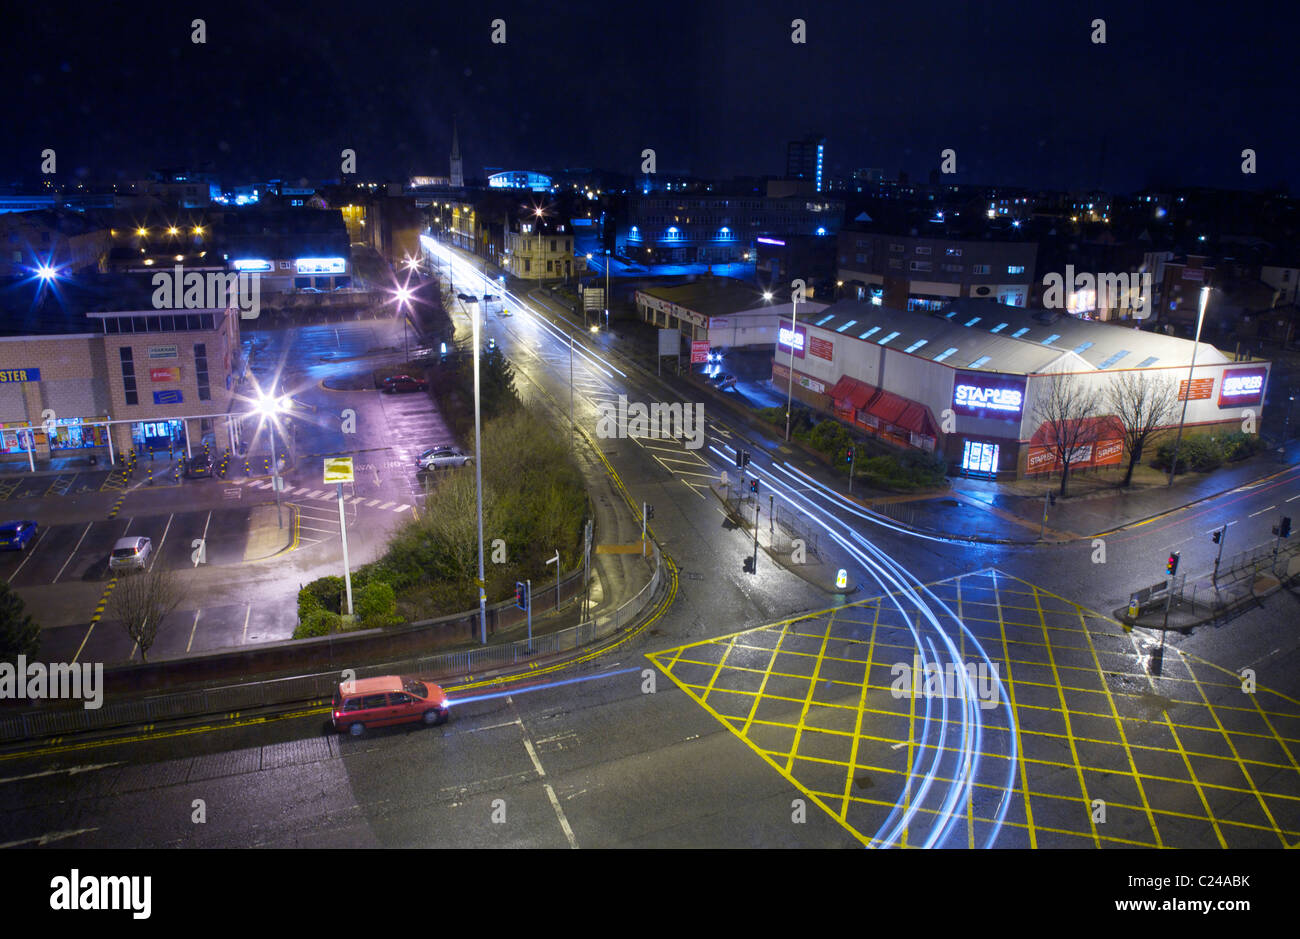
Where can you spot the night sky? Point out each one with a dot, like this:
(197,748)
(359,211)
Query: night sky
(1017,89)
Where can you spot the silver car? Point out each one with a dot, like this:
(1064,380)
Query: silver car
(131,554)
(441,457)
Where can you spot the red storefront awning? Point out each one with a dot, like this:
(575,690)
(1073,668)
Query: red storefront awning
(849,392)
(902,412)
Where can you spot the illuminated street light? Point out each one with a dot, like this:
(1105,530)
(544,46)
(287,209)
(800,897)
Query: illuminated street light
(270,407)
(46,272)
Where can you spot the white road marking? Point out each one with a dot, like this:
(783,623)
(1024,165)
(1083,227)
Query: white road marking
(372,503)
(72,555)
(387,505)
(71,771)
(29,556)
(48,838)
(1293,498)
(1261,511)
(401,508)
(247,614)
(158,550)
(323,531)
(550,793)
(193,630)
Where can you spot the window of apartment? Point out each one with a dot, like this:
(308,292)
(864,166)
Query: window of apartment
(952,253)
(284,265)
(861,243)
(860,258)
(201,371)
(548,266)
(128,375)
(553,246)
(528,265)
(1015,268)
(922,249)
(979,269)
(921,266)
(954,268)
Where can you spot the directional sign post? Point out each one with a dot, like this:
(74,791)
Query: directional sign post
(338,470)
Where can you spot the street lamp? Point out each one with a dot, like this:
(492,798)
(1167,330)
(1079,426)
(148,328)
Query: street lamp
(794,334)
(1200,316)
(403,300)
(478,480)
(270,407)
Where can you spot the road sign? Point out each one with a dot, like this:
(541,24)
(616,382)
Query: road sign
(699,351)
(338,469)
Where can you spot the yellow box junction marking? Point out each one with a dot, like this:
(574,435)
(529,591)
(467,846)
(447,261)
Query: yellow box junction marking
(1186,760)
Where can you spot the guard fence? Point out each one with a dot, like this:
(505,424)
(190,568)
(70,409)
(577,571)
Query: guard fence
(52,721)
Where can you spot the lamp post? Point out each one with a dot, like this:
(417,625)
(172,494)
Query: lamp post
(1200,317)
(478,482)
(794,333)
(270,406)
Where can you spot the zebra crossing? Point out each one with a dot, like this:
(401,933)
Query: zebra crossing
(325,495)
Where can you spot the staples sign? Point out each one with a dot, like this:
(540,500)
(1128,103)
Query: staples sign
(995,396)
(792,338)
(1242,387)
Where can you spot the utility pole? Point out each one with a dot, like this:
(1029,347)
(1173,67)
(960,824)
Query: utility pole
(556,561)
(1220,536)
(571,426)
(478,483)
(1200,317)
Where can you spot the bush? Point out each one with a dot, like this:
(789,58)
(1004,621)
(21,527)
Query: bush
(19,633)
(1203,453)
(318,623)
(308,603)
(327,591)
(376,606)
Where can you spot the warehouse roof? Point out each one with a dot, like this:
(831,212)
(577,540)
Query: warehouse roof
(720,296)
(30,306)
(985,334)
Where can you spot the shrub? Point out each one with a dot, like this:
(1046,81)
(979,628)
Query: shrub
(328,592)
(318,623)
(308,603)
(376,606)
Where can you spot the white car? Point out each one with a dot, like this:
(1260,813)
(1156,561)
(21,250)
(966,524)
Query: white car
(131,554)
(440,457)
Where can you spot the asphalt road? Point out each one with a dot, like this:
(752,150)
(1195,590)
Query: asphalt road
(775,719)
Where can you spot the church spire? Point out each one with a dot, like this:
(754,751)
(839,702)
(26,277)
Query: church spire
(457,170)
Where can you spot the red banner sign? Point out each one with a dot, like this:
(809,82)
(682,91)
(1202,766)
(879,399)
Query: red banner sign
(165,374)
(1102,453)
(821,348)
(699,351)
(1201,388)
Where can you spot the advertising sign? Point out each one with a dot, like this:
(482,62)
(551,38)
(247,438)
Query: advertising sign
(1200,388)
(1242,387)
(20,374)
(170,396)
(821,348)
(1001,397)
(165,374)
(789,335)
(162,352)
(699,351)
(1101,453)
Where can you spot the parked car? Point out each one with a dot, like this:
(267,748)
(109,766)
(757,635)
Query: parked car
(440,457)
(467,298)
(403,383)
(15,535)
(131,554)
(723,382)
(199,466)
(392,699)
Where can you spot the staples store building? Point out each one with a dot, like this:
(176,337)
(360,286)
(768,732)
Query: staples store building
(966,382)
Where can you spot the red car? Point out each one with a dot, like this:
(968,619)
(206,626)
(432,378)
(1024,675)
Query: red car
(392,699)
(400,383)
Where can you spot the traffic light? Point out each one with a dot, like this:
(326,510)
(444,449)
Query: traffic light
(753,486)
(649,511)
(1171,568)
(848,457)
(1285,530)
(740,459)
(521,595)
(1218,535)
(745,457)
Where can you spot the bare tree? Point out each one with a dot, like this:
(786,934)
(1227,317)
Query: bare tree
(141,600)
(1064,410)
(1143,404)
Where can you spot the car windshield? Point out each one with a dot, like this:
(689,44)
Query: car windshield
(418,688)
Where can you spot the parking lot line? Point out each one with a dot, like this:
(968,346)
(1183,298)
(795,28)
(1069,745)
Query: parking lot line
(161,542)
(73,554)
(29,556)
(193,629)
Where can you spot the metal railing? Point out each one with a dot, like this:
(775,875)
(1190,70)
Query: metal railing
(245,697)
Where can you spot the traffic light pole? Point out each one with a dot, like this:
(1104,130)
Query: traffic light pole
(758,507)
(1214,578)
(529,605)
(853,456)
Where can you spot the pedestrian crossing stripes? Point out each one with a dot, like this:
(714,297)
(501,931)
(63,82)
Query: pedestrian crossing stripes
(321,495)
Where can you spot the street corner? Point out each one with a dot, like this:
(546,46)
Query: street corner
(273,531)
